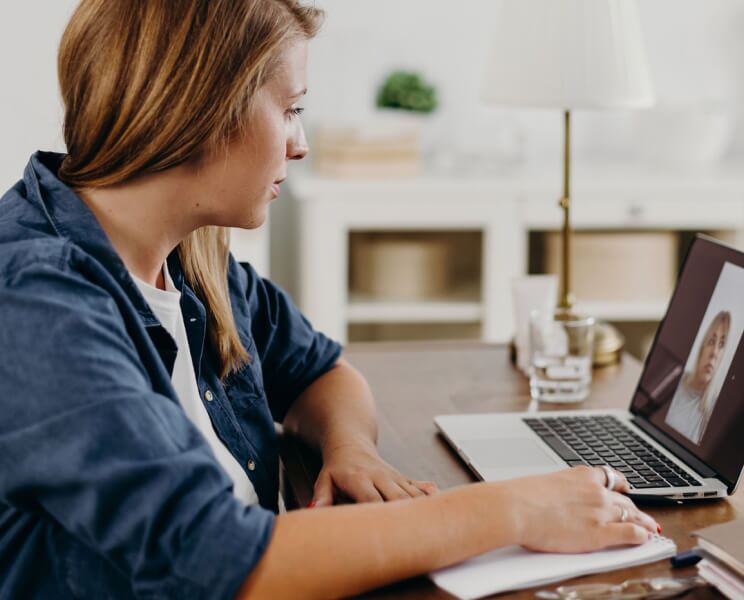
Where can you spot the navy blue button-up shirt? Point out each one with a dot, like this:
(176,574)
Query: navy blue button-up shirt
(107,490)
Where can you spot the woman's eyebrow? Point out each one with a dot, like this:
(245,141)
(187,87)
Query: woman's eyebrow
(297,94)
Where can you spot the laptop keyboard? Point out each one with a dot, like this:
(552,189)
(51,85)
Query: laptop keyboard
(605,440)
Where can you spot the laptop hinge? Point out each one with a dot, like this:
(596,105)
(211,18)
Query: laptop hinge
(680,452)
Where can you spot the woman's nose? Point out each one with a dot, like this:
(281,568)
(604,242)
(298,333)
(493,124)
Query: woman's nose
(297,151)
(297,147)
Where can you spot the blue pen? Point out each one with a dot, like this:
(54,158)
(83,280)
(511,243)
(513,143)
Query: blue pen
(685,559)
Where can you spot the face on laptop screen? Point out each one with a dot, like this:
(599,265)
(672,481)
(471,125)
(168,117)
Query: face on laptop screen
(693,385)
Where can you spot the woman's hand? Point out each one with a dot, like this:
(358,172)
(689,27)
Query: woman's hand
(573,511)
(355,472)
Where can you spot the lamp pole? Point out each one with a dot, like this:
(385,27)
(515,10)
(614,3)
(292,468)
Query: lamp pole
(566,298)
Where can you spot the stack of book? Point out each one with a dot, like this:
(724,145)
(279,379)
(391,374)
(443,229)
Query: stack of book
(722,549)
(371,151)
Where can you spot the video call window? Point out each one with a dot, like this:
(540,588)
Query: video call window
(709,360)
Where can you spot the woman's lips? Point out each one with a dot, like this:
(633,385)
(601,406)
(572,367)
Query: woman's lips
(275,189)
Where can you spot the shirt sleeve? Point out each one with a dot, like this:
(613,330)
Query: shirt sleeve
(86,441)
(292,353)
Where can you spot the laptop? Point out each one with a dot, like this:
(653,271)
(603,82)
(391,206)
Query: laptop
(682,436)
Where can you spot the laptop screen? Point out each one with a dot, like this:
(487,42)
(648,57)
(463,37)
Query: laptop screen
(692,386)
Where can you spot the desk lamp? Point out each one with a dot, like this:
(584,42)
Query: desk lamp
(568,54)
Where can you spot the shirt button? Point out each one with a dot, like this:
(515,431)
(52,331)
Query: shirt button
(208,396)
(251,465)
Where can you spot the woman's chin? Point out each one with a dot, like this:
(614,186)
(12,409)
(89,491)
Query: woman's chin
(245,219)
(252,221)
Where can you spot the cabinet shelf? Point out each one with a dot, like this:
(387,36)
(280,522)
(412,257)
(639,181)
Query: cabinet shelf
(369,310)
(624,311)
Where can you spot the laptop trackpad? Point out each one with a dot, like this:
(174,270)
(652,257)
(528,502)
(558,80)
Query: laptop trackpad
(508,454)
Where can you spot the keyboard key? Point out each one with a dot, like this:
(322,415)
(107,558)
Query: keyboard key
(559,447)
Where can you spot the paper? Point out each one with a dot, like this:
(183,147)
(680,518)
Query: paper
(727,583)
(514,568)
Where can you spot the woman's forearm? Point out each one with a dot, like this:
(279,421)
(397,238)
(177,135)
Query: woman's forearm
(344,550)
(336,409)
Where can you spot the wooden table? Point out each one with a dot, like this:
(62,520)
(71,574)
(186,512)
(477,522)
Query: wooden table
(413,382)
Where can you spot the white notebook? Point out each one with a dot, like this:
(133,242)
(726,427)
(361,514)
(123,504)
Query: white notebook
(514,568)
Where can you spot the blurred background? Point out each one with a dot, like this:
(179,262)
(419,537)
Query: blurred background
(410,220)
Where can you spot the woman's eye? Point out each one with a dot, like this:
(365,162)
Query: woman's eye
(296,112)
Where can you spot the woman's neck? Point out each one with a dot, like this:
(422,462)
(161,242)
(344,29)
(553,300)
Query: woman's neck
(145,219)
(695,385)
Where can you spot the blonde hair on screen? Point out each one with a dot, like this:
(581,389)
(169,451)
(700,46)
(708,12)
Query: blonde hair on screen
(721,321)
(150,84)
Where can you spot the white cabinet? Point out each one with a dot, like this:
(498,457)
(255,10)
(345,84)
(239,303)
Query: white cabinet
(503,213)
(331,210)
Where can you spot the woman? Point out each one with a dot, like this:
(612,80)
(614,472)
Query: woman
(695,398)
(143,367)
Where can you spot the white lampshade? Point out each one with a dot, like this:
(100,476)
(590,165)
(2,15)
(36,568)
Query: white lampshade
(568,54)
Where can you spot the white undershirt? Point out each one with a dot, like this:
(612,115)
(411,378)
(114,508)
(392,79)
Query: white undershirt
(686,413)
(167,308)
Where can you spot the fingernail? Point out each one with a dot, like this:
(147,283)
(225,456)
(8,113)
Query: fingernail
(658,528)
(312,504)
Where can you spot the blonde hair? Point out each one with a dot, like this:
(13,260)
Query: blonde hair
(722,320)
(150,84)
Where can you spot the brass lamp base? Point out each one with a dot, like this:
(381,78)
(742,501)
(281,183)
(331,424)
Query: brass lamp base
(608,344)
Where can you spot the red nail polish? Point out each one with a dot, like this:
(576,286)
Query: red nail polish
(658,528)
(312,504)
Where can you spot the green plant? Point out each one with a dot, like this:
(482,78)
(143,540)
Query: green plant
(407,91)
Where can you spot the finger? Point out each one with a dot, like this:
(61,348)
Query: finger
(390,490)
(323,491)
(637,516)
(411,488)
(624,534)
(428,487)
(359,490)
(620,483)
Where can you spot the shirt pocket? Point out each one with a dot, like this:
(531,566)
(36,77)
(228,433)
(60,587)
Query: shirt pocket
(245,389)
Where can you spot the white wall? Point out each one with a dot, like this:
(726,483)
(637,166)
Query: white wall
(30,109)
(696,49)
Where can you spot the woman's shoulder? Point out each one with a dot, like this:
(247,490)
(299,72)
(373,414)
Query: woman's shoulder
(53,271)
(28,241)
(27,255)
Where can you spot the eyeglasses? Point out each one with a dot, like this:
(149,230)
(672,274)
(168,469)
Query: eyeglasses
(653,588)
